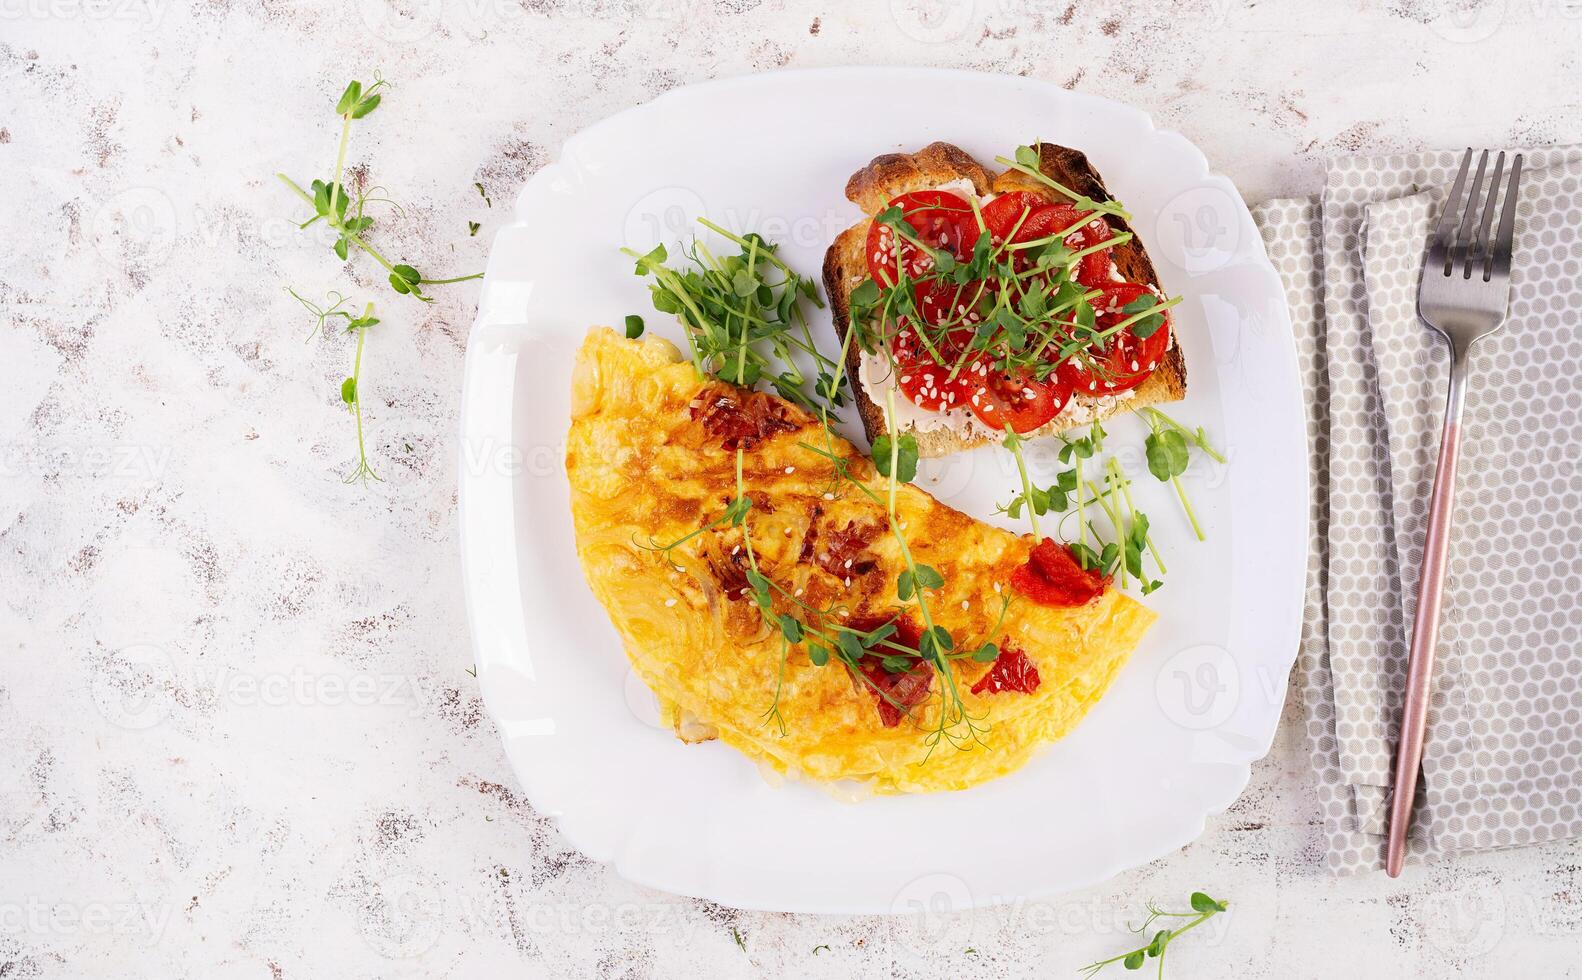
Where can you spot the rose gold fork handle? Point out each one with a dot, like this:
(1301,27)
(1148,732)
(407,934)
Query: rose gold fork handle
(1425,623)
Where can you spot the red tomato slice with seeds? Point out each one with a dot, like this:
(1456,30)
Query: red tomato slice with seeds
(1026,217)
(926,381)
(1094,268)
(1019,401)
(940,218)
(943,302)
(1001,215)
(1125,361)
(1053,577)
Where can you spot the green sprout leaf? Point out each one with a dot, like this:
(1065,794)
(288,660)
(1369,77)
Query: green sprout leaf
(905,450)
(349,98)
(1202,903)
(1167,454)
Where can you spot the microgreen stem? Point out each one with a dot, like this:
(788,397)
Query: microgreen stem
(363,470)
(340,163)
(1186,505)
(1082,516)
(1131,509)
(1013,442)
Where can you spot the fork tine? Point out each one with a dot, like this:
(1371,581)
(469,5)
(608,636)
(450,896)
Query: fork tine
(1481,252)
(1501,264)
(1447,219)
(1461,250)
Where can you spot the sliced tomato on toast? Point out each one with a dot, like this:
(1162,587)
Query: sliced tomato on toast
(1124,360)
(1022,216)
(925,380)
(938,219)
(1019,401)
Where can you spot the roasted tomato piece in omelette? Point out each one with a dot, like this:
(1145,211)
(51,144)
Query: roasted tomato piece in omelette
(843,552)
(1053,577)
(741,419)
(1012,671)
(901,692)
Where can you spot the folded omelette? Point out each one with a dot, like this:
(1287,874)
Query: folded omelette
(652,460)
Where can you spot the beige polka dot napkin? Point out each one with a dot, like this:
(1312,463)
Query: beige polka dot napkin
(1503,759)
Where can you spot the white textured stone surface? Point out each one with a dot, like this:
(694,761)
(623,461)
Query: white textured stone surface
(310,788)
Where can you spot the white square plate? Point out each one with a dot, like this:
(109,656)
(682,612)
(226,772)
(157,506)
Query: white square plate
(1169,744)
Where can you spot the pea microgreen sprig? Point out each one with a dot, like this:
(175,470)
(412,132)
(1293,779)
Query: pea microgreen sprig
(333,204)
(350,396)
(1167,449)
(347,214)
(1203,909)
(742,315)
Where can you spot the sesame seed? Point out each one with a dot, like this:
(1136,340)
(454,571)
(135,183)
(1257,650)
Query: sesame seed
(848,581)
(965,604)
(848,563)
(736,549)
(790,469)
(996,587)
(844,614)
(829,496)
(799,591)
(670,602)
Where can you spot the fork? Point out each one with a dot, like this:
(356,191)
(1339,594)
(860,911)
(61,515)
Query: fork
(1463,293)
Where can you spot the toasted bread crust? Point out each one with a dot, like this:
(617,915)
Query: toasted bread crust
(873,187)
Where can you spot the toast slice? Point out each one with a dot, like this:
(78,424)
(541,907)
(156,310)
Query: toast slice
(874,186)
